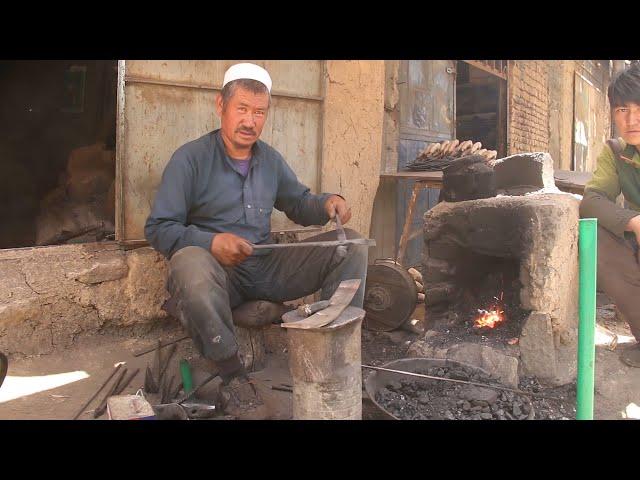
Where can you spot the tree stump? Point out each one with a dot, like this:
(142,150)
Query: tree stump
(251,347)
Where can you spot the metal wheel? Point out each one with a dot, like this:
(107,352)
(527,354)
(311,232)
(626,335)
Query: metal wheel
(390,296)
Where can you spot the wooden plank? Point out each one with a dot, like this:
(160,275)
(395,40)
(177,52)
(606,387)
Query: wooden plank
(482,66)
(408,221)
(435,175)
(302,77)
(383,221)
(564,178)
(501,146)
(158,121)
(200,86)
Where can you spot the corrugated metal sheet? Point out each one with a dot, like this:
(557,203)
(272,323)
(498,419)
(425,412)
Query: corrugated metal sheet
(164,104)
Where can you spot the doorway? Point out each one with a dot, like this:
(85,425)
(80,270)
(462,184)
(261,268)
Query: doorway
(57,151)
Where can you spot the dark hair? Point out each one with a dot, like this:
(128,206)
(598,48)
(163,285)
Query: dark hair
(625,87)
(253,86)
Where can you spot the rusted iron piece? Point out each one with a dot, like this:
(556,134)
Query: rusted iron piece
(195,390)
(338,302)
(165,366)
(103,404)
(104,384)
(164,344)
(150,385)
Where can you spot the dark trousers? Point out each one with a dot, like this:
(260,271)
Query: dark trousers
(204,292)
(619,275)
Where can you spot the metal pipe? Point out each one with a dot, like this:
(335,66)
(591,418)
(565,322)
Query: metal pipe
(588,254)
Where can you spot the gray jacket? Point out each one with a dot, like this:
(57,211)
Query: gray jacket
(202,193)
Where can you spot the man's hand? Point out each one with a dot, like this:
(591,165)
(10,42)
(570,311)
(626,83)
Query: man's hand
(336,204)
(230,249)
(634,226)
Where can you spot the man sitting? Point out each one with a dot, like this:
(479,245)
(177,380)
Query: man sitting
(618,170)
(215,200)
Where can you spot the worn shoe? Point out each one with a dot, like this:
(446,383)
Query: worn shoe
(241,399)
(631,356)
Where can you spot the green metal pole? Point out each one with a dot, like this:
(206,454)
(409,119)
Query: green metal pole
(185,372)
(588,253)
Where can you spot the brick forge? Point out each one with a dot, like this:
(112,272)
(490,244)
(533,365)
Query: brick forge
(520,248)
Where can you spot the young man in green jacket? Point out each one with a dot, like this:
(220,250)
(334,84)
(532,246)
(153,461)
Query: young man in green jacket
(618,171)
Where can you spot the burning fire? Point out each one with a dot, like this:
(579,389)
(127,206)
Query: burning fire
(489,318)
(492,317)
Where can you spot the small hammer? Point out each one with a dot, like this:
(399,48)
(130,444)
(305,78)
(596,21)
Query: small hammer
(341,250)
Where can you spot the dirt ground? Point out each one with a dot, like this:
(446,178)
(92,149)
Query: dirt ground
(95,358)
(56,386)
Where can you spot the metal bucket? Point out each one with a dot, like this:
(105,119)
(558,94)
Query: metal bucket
(379,379)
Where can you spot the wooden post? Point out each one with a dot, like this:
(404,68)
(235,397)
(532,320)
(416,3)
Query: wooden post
(325,368)
(404,239)
(251,348)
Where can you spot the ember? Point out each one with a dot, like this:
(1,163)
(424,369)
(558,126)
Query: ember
(492,317)
(489,318)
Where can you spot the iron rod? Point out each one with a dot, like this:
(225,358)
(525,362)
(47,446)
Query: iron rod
(328,243)
(115,370)
(478,384)
(147,350)
(103,404)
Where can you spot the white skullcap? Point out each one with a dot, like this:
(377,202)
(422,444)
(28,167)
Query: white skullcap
(249,71)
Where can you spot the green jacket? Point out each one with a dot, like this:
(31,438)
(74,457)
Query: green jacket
(612,177)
